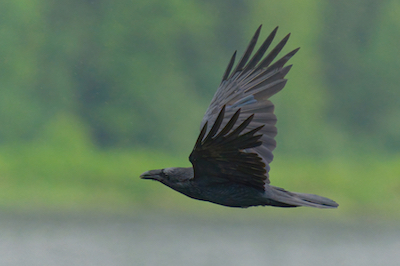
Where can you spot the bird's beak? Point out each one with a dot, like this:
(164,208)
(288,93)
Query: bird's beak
(152,174)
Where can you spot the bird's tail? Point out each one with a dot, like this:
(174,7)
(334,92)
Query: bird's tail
(282,198)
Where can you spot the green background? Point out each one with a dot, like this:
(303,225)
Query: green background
(93,93)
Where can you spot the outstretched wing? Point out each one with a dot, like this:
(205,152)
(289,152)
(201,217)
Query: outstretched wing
(221,157)
(249,87)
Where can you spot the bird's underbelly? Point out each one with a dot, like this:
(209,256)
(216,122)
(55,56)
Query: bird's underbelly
(228,195)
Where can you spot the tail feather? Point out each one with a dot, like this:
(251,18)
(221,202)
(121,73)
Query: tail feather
(282,198)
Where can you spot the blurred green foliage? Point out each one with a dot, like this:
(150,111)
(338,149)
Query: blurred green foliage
(96,92)
(64,172)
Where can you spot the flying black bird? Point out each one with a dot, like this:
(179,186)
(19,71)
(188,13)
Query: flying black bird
(232,153)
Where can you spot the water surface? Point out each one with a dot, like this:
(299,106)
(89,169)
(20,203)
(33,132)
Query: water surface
(159,239)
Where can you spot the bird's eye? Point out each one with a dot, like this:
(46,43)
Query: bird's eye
(163,174)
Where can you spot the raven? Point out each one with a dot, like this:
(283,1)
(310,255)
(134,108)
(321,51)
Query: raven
(231,158)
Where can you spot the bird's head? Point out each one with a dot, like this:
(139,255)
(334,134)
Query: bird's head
(172,177)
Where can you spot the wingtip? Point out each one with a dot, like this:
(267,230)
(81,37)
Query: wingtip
(257,33)
(287,37)
(229,67)
(292,53)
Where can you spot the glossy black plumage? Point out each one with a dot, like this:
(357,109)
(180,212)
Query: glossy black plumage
(232,153)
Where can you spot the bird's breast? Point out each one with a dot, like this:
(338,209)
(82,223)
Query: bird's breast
(227,194)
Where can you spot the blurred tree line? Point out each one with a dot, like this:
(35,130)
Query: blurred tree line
(140,74)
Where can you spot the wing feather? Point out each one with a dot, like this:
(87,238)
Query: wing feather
(223,157)
(248,88)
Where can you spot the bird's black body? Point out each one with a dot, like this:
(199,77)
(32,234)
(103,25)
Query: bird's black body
(231,156)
